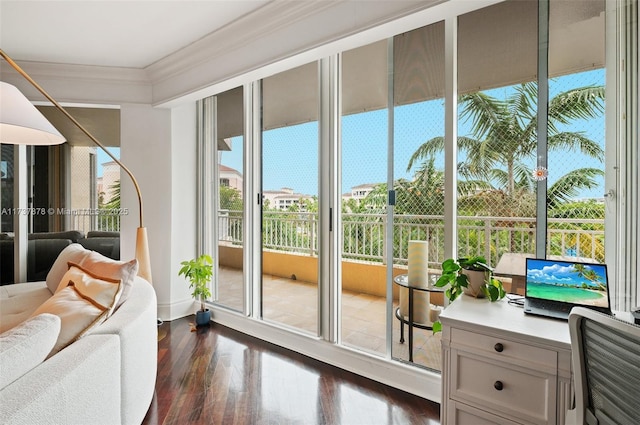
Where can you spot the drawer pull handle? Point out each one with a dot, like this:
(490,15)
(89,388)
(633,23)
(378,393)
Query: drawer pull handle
(498,347)
(498,385)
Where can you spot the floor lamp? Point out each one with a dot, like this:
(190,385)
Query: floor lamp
(21,123)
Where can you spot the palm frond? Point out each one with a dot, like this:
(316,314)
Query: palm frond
(522,104)
(504,137)
(481,156)
(428,176)
(570,185)
(579,103)
(114,191)
(500,178)
(523,177)
(429,148)
(469,171)
(568,141)
(483,110)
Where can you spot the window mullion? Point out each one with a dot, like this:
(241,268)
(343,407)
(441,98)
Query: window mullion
(542,120)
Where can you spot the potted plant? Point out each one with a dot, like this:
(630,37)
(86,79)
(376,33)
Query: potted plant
(199,272)
(471,276)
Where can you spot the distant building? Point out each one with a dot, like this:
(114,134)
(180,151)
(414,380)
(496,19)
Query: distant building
(284,198)
(230,177)
(110,176)
(360,192)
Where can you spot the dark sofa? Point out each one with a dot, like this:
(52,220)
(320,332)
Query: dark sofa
(44,248)
(107,246)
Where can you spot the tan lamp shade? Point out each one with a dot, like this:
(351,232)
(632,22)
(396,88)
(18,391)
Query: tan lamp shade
(21,123)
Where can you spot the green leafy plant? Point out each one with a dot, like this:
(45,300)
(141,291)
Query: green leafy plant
(199,272)
(454,276)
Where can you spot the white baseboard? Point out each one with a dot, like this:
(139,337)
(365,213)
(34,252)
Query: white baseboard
(176,310)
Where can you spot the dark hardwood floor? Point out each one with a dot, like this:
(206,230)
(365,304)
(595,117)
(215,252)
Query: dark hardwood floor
(216,375)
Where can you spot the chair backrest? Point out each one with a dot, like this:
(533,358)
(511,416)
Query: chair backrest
(605,355)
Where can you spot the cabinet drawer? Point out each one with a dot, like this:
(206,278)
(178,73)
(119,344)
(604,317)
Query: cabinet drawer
(505,349)
(462,414)
(519,393)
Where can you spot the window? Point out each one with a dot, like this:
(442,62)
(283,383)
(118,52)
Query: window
(393,134)
(289,235)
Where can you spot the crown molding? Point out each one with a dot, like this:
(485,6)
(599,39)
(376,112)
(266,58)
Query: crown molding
(278,31)
(82,83)
(47,70)
(266,20)
(275,32)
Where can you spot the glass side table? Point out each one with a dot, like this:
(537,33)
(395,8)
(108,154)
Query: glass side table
(403,281)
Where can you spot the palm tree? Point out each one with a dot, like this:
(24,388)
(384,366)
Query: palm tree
(114,199)
(375,202)
(424,195)
(108,219)
(590,275)
(506,135)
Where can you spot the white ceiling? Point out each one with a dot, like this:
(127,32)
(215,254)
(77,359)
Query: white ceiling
(132,34)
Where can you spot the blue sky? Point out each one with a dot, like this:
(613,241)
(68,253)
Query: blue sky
(102,157)
(290,154)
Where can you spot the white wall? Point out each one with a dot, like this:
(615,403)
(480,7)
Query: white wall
(146,148)
(183,207)
(159,146)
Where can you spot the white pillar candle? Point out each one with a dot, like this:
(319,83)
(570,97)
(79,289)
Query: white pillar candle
(418,264)
(418,277)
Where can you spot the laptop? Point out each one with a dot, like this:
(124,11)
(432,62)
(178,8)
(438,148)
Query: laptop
(554,287)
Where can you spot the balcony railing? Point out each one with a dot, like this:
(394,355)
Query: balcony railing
(364,235)
(96,219)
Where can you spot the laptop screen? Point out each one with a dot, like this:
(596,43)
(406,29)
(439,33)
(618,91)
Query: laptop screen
(573,282)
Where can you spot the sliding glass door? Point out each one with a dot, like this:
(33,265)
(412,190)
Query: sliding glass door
(531,149)
(289,198)
(576,200)
(418,175)
(518,188)
(230,199)
(497,138)
(392,193)
(363,215)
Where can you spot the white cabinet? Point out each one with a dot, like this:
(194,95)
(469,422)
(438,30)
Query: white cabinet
(501,366)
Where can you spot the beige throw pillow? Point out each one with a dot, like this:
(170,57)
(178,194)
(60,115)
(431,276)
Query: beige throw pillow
(73,253)
(83,301)
(107,268)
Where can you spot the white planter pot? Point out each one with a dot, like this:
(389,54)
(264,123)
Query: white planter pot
(476,282)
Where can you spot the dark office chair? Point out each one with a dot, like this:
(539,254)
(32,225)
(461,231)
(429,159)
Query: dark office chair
(605,356)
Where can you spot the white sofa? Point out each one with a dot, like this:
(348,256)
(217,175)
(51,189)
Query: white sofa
(105,377)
